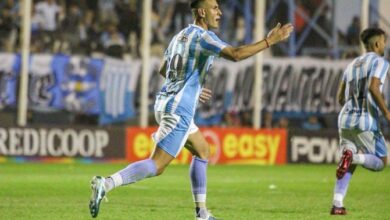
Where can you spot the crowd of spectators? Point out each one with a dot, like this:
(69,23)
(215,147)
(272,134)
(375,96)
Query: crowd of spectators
(110,26)
(114,26)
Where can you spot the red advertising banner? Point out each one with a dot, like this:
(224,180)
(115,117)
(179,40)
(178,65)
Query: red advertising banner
(227,146)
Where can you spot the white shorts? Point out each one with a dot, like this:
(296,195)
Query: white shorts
(366,141)
(173,132)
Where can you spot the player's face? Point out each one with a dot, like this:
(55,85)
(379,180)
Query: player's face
(213,14)
(382,45)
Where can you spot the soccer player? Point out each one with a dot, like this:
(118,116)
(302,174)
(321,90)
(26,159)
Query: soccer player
(360,93)
(185,65)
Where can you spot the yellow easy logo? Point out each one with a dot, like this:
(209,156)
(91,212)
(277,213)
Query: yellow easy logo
(262,147)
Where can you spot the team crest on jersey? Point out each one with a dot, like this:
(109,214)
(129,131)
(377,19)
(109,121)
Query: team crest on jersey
(183,38)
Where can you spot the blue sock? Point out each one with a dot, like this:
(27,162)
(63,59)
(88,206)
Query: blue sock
(133,173)
(372,162)
(340,189)
(198,175)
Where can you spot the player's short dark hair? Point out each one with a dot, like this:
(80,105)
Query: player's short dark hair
(195,3)
(369,33)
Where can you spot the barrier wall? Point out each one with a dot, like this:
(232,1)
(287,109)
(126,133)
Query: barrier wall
(227,145)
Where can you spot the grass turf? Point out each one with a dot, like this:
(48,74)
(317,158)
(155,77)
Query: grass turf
(61,191)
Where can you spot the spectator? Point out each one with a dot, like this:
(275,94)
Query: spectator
(158,38)
(180,12)
(5,27)
(314,39)
(12,5)
(51,12)
(165,9)
(36,45)
(107,12)
(312,124)
(92,5)
(37,21)
(246,118)
(227,120)
(10,24)
(130,28)
(267,120)
(113,41)
(231,119)
(92,32)
(283,122)
(353,31)
(300,14)
(240,31)
(73,27)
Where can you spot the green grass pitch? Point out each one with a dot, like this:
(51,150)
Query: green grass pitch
(61,191)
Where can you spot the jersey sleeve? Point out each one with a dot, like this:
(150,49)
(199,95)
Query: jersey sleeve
(344,77)
(379,69)
(168,51)
(211,44)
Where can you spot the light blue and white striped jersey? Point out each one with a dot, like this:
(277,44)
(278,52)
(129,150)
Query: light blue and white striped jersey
(360,110)
(189,57)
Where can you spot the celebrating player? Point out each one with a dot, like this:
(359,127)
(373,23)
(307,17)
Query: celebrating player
(186,62)
(360,93)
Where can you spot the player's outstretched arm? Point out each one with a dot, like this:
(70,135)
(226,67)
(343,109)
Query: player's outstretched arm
(277,34)
(379,100)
